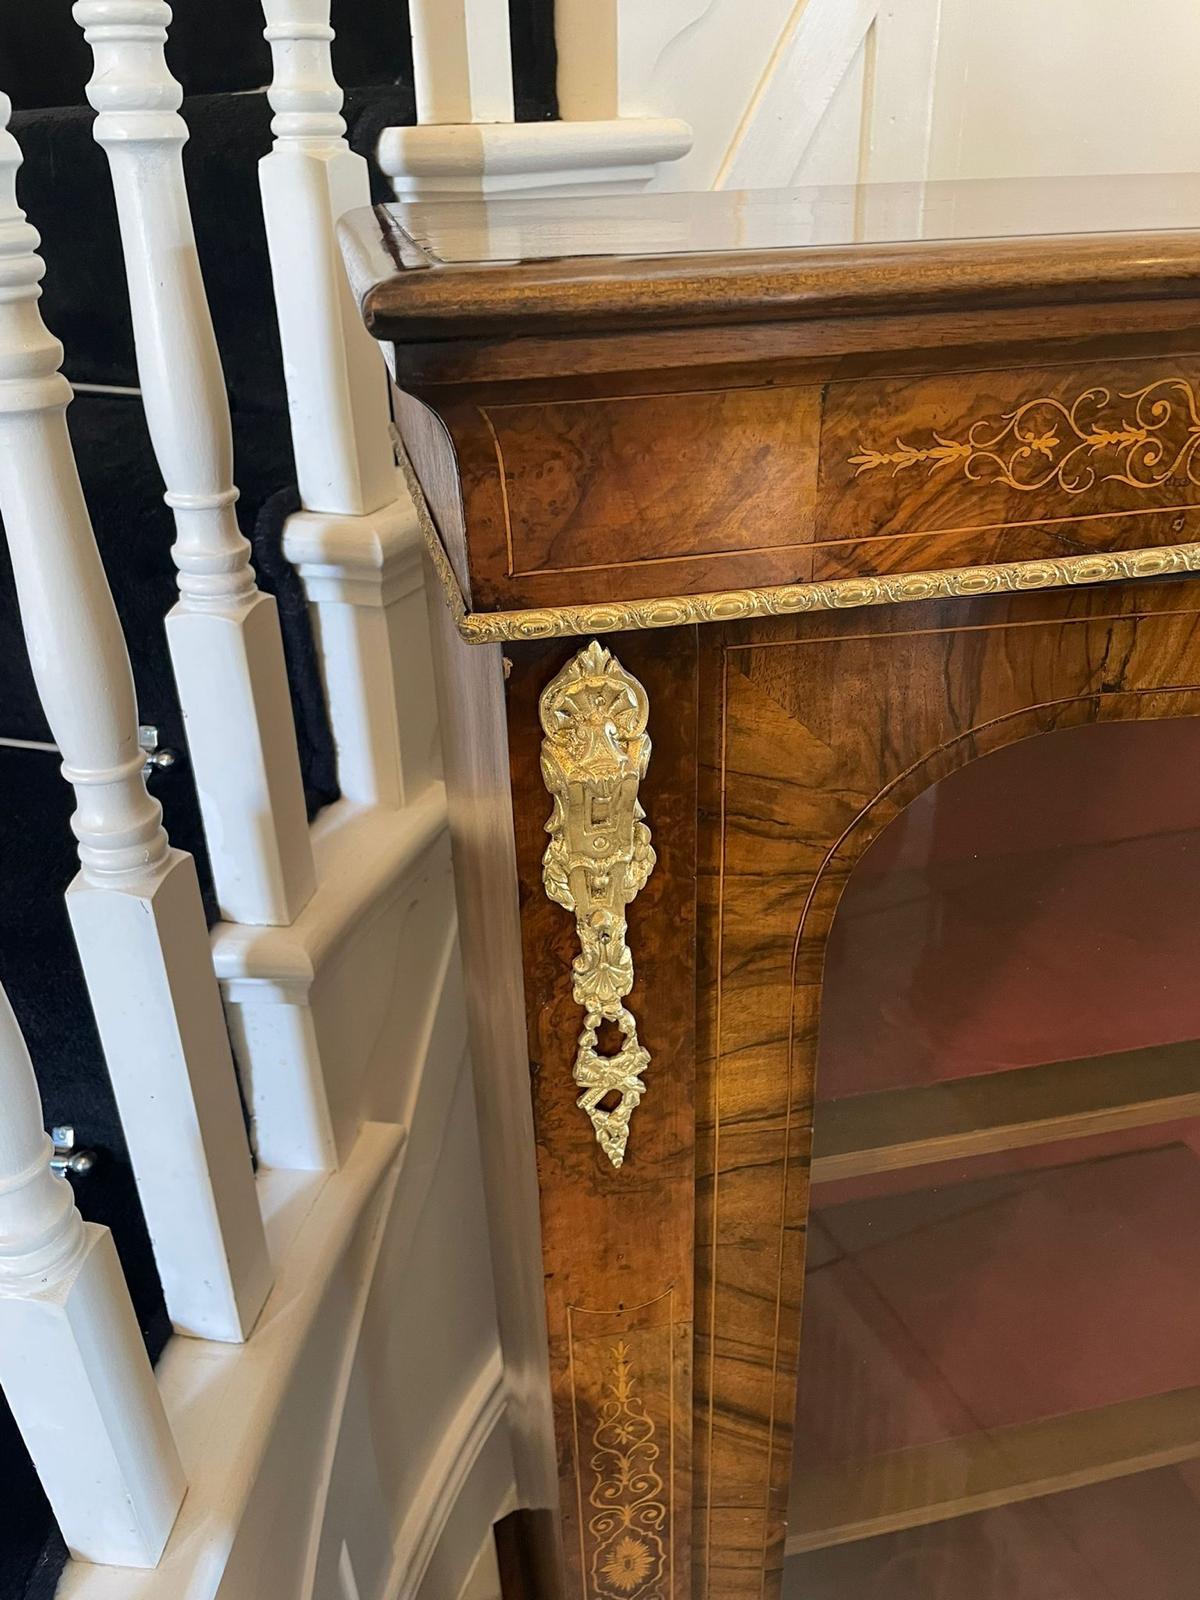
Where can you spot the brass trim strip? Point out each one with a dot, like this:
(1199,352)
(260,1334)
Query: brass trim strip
(837,594)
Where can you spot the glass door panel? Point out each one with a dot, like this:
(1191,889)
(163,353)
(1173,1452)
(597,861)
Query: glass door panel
(999,1389)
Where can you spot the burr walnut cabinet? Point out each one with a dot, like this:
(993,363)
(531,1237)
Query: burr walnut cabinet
(791,552)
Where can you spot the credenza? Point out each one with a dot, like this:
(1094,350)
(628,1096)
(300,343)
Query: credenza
(787,551)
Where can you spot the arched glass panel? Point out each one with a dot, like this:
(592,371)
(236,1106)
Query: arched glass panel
(999,1389)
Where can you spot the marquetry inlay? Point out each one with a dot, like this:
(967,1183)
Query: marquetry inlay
(629,1512)
(1146,439)
(837,594)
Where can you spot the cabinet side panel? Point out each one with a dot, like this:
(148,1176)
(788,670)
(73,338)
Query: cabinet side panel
(471,698)
(618,1242)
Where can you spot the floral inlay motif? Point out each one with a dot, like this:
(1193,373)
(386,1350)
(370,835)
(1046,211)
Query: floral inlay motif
(629,1557)
(628,1564)
(1147,439)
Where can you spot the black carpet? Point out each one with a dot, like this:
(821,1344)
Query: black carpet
(213,47)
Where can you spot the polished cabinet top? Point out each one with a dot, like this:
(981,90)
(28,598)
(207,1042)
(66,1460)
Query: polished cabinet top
(461,232)
(642,411)
(458,269)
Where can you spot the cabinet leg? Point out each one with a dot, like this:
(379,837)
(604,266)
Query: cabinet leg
(525,1553)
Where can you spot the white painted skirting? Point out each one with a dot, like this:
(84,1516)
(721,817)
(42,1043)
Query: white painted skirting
(317,1011)
(458,1457)
(344,1453)
(230,1406)
(795,93)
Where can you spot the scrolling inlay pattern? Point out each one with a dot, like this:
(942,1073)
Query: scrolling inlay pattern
(1147,439)
(630,1515)
(594,755)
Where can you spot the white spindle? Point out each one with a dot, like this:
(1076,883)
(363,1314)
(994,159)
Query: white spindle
(615,132)
(337,386)
(72,1363)
(462,60)
(135,906)
(356,540)
(223,634)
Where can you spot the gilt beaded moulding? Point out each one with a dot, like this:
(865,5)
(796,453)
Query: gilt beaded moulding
(791,599)
(594,755)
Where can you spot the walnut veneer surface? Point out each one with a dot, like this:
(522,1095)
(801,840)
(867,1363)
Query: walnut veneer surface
(819,421)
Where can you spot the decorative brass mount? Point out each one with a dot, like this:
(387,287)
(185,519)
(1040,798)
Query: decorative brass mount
(594,755)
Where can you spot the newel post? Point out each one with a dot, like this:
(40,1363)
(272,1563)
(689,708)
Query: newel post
(135,906)
(72,1364)
(223,634)
(356,541)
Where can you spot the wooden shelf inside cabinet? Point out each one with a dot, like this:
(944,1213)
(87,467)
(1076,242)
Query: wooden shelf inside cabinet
(932,1483)
(899,1128)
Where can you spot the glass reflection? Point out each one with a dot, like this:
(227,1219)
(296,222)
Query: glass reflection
(999,1392)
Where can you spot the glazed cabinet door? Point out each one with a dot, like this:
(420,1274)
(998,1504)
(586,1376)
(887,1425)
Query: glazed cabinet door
(864,1044)
(948,1103)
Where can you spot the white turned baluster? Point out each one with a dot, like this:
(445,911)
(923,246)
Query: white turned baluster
(72,1364)
(337,386)
(356,541)
(615,131)
(462,60)
(223,634)
(135,906)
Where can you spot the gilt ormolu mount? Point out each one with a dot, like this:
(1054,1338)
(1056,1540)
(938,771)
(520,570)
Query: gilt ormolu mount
(595,754)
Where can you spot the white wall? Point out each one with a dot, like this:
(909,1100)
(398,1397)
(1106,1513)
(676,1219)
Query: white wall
(800,92)
(791,92)
(1032,88)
